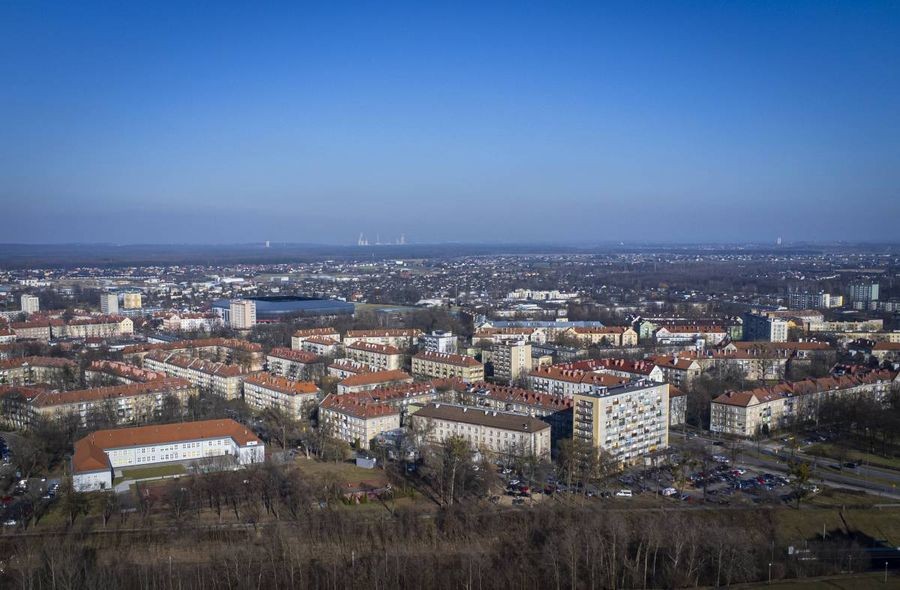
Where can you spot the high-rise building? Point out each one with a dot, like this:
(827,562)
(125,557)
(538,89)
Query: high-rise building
(761,327)
(439,341)
(30,303)
(511,360)
(242,314)
(109,303)
(628,422)
(131,301)
(863,291)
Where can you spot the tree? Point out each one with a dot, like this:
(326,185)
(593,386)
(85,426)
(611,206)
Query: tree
(800,473)
(74,503)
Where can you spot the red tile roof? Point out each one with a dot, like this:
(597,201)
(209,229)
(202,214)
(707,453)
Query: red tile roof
(459,360)
(90,452)
(280,384)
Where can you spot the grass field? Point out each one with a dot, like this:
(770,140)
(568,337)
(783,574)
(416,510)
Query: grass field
(343,472)
(871,581)
(151,472)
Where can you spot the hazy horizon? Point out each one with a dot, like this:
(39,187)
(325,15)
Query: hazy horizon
(662,123)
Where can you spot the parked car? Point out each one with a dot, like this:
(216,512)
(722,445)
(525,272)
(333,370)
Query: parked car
(669,492)
(624,494)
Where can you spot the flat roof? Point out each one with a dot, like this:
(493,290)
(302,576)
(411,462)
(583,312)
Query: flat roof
(482,417)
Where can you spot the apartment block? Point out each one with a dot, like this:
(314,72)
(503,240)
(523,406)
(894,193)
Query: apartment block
(293,364)
(301,335)
(378,357)
(511,360)
(444,365)
(767,409)
(295,398)
(628,422)
(217,378)
(489,431)
(109,303)
(402,338)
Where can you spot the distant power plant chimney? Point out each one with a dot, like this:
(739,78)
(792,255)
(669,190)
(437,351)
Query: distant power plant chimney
(267,243)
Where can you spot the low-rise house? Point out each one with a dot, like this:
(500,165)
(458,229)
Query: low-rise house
(445,365)
(378,357)
(294,364)
(489,431)
(294,398)
(100,454)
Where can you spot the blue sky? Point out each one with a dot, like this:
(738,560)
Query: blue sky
(233,122)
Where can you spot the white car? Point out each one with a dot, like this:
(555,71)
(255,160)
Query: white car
(623,494)
(669,492)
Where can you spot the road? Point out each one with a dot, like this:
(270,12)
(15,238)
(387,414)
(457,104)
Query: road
(771,457)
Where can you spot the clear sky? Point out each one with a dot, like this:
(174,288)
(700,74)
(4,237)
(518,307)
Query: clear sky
(218,122)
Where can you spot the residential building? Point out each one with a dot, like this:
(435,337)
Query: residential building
(512,361)
(248,355)
(766,409)
(555,410)
(356,422)
(861,292)
(191,322)
(343,368)
(122,404)
(321,346)
(301,335)
(439,341)
(115,372)
(112,326)
(678,370)
(378,357)
(567,380)
(489,431)
(373,380)
(37,369)
(294,364)
(768,329)
(605,336)
(676,334)
(29,304)
(294,398)
(217,378)
(242,314)
(131,300)
(677,406)
(109,303)
(628,422)
(99,455)
(445,365)
(402,338)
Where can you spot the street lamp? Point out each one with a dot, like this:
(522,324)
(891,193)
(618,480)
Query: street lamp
(885,572)
(770,572)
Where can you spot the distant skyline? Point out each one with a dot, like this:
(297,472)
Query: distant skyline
(225,123)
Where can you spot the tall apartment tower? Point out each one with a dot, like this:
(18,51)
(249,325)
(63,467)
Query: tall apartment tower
(131,301)
(863,291)
(242,314)
(760,327)
(30,303)
(109,303)
(511,360)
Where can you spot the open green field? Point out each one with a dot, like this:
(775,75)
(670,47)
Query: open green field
(870,581)
(151,472)
(343,472)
